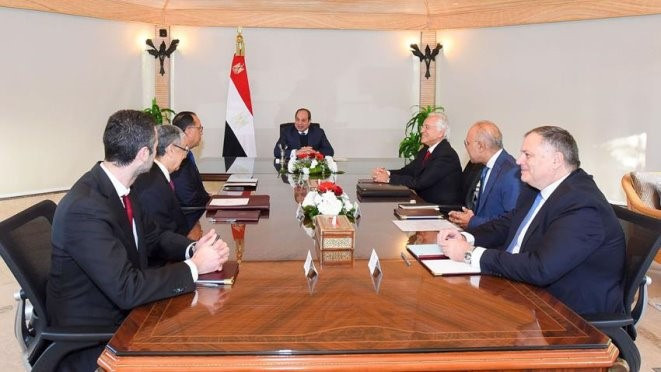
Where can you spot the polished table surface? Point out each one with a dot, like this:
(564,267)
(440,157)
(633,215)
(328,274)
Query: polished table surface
(274,317)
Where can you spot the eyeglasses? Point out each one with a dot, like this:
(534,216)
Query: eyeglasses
(184,149)
(466,143)
(200,128)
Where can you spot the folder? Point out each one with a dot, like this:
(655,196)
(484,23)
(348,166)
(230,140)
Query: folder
(448,267)
(369,188)
(426,251)
(234,215)
(261,202)
(407,214)
(226,276)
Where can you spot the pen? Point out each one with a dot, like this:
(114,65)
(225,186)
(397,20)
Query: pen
(406,260)
(210,285)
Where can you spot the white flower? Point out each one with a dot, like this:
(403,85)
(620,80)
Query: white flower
(313,163)
(347,205)
(308,231)
(357,209)
(332,165)
(291,165)
(330,204)
(306,171)
(308,201)
(292,154)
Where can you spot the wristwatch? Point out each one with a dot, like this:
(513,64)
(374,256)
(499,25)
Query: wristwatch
(468,257)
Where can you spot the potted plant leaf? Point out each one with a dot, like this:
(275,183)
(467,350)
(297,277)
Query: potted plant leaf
(410,145)
(158,113)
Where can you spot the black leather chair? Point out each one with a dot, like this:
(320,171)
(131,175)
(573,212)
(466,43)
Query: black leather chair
(25,245)
(643,239)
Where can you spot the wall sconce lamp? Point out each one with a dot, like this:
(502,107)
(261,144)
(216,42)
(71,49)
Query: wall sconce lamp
(430,55)
(162,51)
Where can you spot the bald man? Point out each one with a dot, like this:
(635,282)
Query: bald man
(500,180)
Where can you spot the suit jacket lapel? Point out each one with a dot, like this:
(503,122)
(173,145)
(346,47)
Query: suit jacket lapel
(493,178)
(119,213)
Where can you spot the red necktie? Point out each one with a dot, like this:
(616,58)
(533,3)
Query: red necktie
(129,208)
(427,155)
(172,185)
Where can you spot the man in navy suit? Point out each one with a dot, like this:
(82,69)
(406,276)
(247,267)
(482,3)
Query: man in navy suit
(302,137)
(562,235)
(435,173)
(187,180)
(499,181)
(102,240)
(155,189)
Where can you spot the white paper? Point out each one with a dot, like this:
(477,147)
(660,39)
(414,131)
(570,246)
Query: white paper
(227,202)
(422,250)
(241,178)
(423,225)
(449,267)
(308,264)
(373,262)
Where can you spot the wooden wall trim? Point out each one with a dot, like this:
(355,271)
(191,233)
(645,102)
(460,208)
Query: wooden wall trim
(376,15)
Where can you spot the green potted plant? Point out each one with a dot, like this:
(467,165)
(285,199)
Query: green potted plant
(410,145)
(157,113)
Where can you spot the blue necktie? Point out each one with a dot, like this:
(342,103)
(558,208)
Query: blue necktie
(191,157)
(483,177)
(524,223)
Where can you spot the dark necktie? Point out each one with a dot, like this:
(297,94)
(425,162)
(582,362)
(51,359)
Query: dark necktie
(129,208)
(171,185)
(303,138)
(424,160)
(191,157)
(524,223)
(483,177)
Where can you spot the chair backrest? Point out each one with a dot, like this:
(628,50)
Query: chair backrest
(25,245)
(283,126)
(643,239)
(634,202)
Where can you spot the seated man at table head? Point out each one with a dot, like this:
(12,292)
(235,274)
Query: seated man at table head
(102,239)
(500,178)
(302,137)
(155,189)
(562,235)
(435,173)
(187,180)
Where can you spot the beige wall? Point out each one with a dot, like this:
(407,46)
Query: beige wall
(599,79)
(62,76)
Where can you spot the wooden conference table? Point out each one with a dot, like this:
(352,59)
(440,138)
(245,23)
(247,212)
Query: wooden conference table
(275,318)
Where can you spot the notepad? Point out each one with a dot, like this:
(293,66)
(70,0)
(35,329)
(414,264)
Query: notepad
(420,214)
(227,202)
(449,267)
(241,178)
(421,205)
(226,276)
(426,251)
(423,225)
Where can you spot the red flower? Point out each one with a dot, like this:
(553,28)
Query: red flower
(301,156)
(330,186)
(319,156)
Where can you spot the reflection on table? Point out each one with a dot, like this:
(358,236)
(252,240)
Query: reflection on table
(272,318)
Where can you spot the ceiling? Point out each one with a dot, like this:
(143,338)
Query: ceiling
(344,14)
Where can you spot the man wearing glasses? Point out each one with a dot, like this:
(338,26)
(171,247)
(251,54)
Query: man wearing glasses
(187,181)
(155,189)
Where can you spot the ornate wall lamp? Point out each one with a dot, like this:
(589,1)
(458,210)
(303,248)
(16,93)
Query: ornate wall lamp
(162,51)
(430,55)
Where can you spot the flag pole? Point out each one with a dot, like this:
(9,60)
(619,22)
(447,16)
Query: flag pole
(240,47)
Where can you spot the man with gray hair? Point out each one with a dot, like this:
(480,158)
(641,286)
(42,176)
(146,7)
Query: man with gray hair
(435,173)
(562,235)
(500,179)
(155,189)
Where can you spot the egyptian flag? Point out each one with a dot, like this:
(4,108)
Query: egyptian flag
(239,127)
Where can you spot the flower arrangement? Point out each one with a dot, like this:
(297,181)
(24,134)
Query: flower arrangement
(329,199)
(313,164)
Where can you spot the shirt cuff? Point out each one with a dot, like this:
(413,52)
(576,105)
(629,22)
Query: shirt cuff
(475,258)
(193,269)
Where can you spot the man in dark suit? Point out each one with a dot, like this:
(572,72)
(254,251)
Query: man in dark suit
(302,137)
(187,180)
(155,189)
(562,236)
(435,173)
(500,179)
(102,239)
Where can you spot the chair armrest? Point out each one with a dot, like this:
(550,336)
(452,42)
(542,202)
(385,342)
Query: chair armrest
(78,333)
(602,321)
